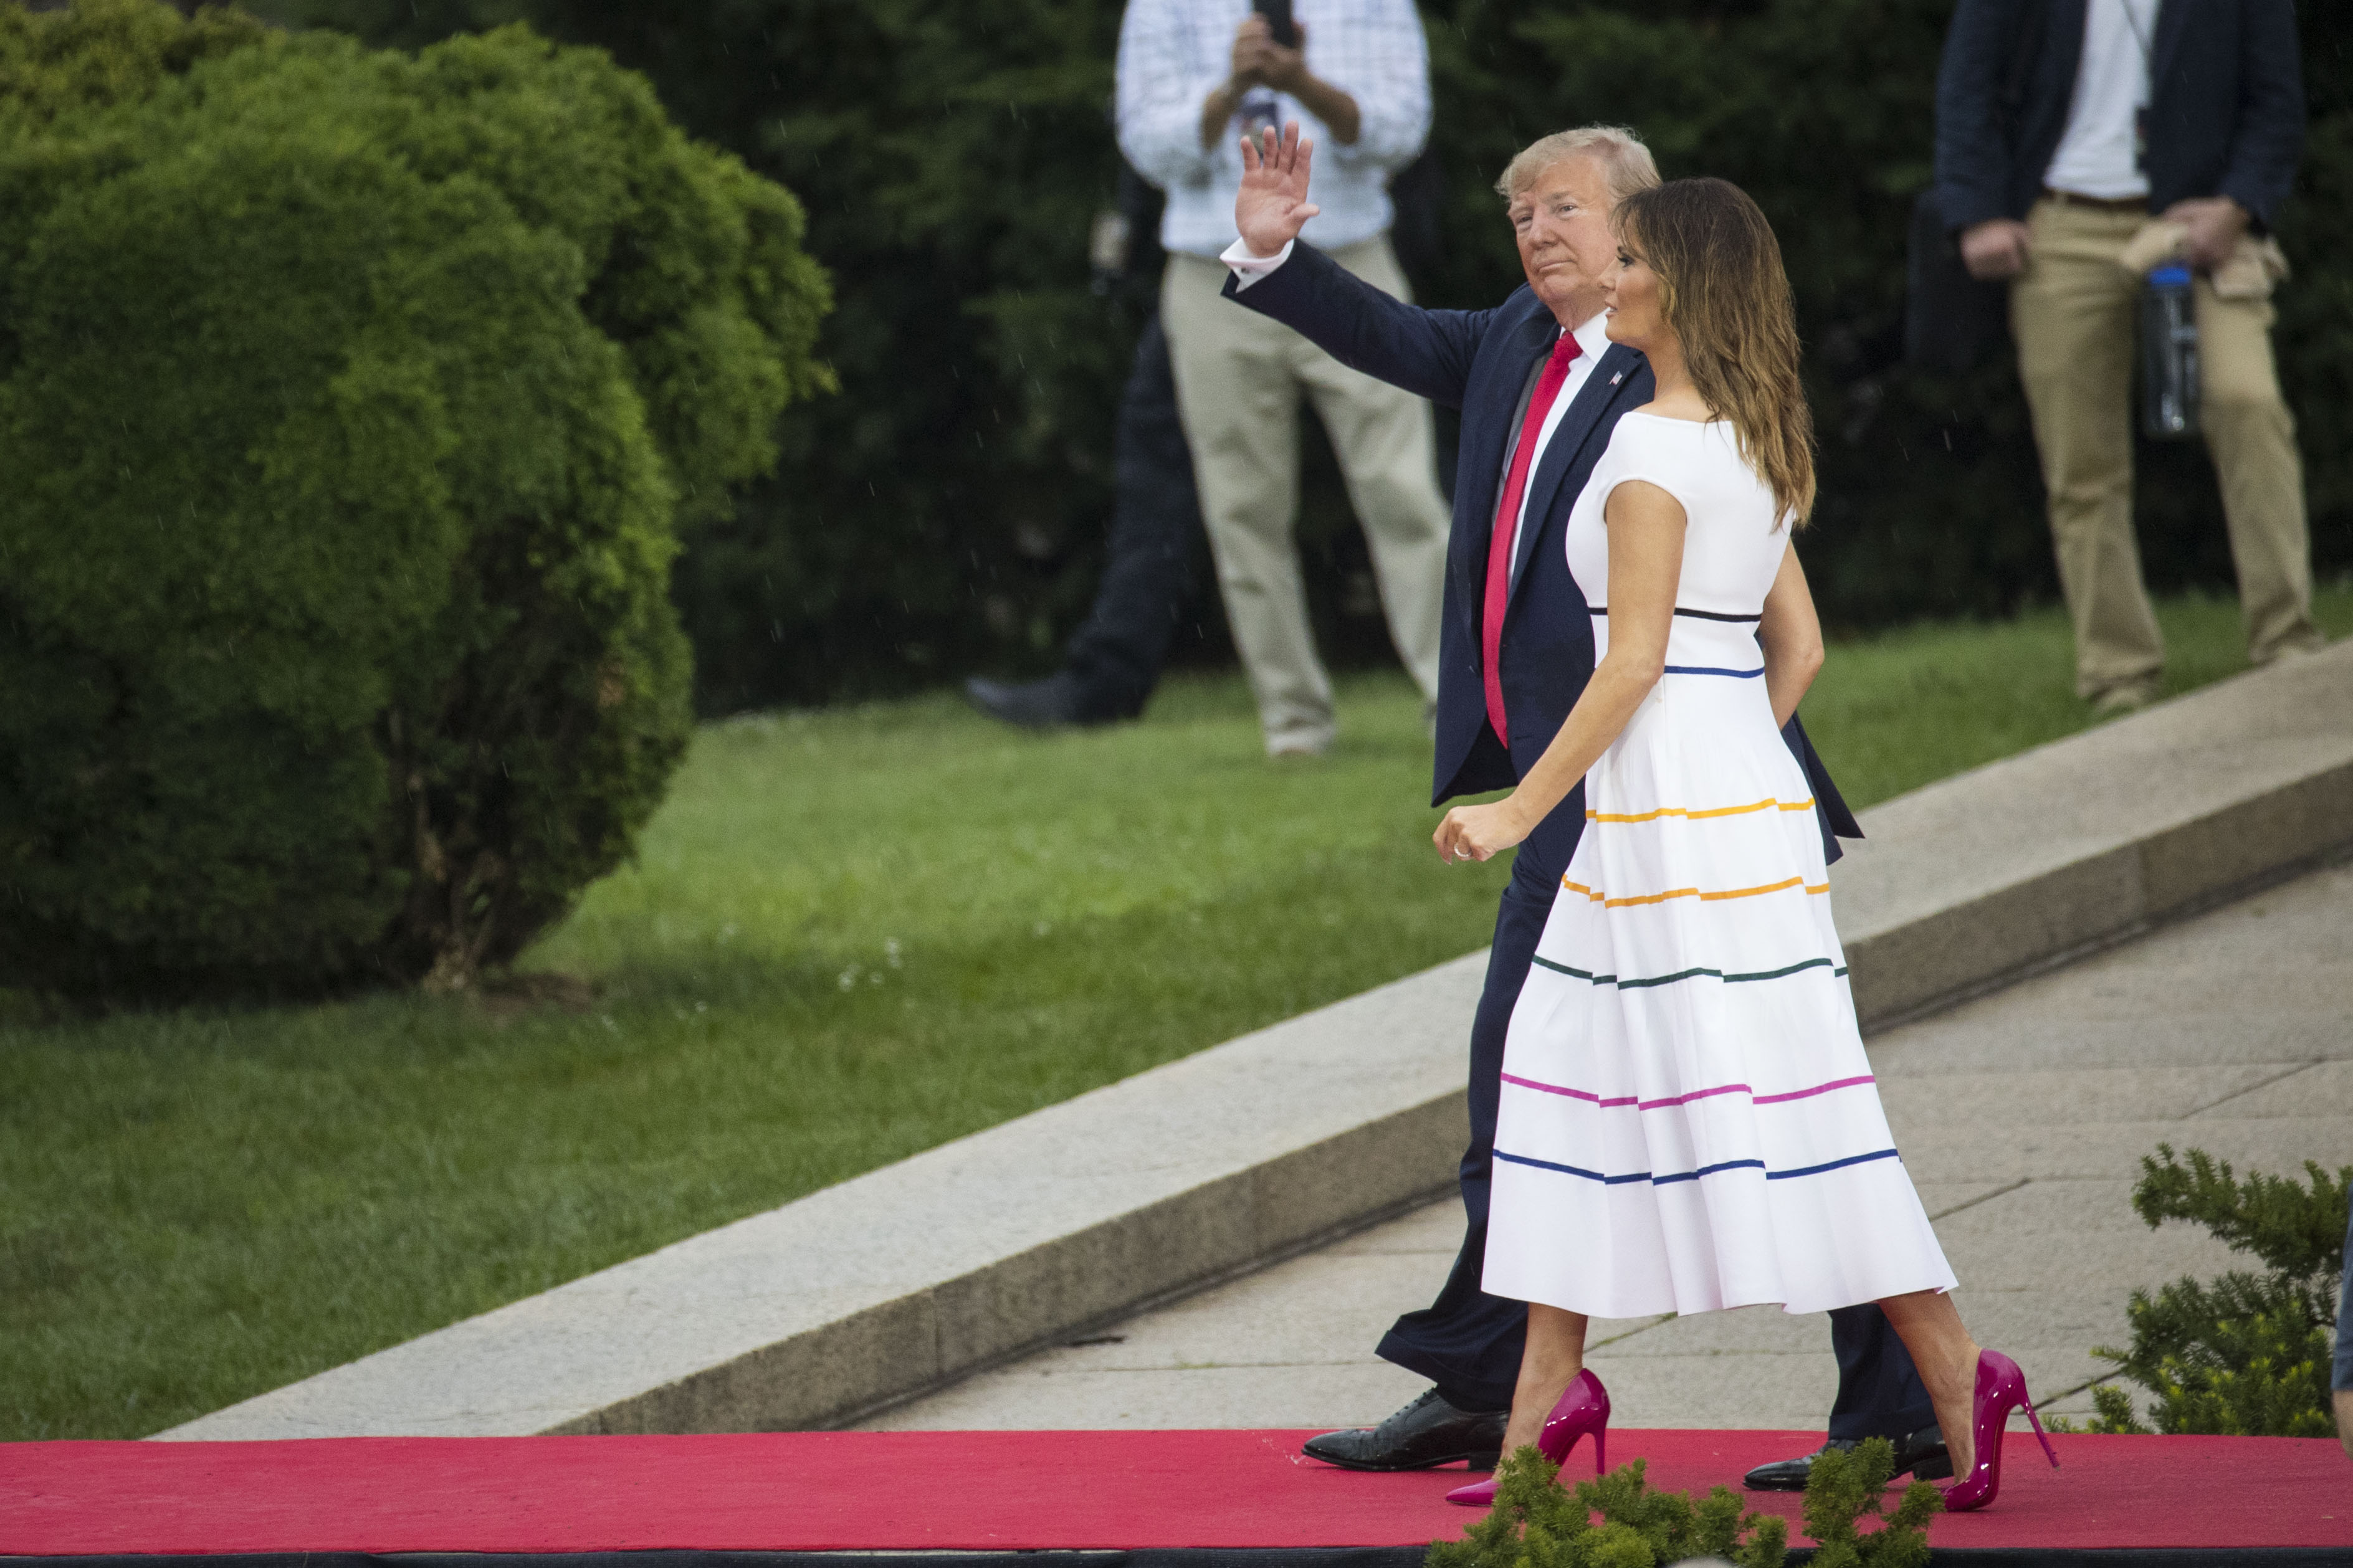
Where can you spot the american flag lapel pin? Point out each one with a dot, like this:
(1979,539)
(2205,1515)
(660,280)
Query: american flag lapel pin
(1618,377)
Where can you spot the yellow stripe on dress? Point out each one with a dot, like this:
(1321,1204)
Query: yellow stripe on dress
(1609,903)
(1690,815)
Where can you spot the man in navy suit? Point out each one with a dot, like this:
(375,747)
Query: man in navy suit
(1540,387)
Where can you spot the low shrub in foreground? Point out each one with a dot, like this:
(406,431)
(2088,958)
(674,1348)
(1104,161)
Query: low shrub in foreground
(1536,1523)
(351,402)
(2245,1354)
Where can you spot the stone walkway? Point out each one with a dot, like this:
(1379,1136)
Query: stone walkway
(2022,1115)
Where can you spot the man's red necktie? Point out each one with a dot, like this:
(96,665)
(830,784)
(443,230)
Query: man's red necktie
(1507,512)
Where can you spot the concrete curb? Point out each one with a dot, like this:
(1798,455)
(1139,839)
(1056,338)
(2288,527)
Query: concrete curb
(1977,878)
(910,1276)
(901,1348)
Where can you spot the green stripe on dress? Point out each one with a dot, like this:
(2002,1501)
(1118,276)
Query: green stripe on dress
(1836,971)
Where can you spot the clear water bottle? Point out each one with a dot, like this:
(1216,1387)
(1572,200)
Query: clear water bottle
(2168,354)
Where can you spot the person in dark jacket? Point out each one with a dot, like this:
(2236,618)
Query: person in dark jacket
(1152,570)
(2077,142)
(1540,388)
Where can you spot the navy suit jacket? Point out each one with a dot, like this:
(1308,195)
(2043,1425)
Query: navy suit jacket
(1484,363)
(2225,116)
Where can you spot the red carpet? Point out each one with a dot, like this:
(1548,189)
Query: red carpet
(1004,1490)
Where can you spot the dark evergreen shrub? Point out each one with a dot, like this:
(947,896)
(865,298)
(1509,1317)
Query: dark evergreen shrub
(1539,1522)
(2245,1354)
(350,401)
(1842,1489)
(947,512)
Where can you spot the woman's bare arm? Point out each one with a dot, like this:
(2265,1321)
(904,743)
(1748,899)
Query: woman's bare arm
(1646,562)
(1792,638)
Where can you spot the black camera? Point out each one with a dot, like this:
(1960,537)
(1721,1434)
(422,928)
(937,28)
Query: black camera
(1279,23)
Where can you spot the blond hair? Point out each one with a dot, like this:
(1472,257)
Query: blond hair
(1626,163)
(1726,296)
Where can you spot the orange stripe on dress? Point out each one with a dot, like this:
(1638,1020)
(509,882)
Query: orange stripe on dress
(1609,903)
(1690,815)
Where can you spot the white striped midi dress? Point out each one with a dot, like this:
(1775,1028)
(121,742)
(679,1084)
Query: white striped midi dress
(1688,1119)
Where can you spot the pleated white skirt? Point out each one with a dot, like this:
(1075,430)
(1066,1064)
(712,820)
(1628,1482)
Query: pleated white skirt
(1688,1119)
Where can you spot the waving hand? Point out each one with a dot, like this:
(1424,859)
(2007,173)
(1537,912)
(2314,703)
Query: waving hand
(1273,206)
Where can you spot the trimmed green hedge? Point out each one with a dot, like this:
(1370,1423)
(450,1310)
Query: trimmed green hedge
(350,401)
(948,511)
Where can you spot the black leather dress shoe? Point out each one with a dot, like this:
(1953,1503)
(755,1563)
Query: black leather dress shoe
(1921,1453)
(1427,1432)
(1047,704)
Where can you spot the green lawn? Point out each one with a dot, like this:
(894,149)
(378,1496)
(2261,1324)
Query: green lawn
(851,935)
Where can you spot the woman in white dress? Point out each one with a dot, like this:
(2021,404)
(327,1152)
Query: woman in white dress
(1689,1122)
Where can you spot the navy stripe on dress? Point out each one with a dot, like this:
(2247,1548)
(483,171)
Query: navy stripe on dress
(1703,1170)
(1694,615)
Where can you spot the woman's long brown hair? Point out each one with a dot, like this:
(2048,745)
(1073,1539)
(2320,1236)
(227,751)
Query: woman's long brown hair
(1726,296)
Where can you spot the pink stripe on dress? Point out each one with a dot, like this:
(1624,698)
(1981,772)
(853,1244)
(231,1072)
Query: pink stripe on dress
(1567,1093)
(1686,1098)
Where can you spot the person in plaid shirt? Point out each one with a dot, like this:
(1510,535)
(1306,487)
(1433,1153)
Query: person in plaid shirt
(1194,77)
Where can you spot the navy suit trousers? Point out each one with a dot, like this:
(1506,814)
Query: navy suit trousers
(1879,1393)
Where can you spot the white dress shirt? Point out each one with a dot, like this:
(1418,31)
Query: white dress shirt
(2098,153)
(1592,341)
(1174,53)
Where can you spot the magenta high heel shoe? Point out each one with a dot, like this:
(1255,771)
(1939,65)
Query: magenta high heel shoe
(2001,1388)
(1584,1407)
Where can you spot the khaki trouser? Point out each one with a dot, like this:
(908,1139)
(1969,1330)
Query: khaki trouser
(2076,313)
(1239,377)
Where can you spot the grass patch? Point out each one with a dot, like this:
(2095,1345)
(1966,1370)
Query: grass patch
(852,935)
(1906,709)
